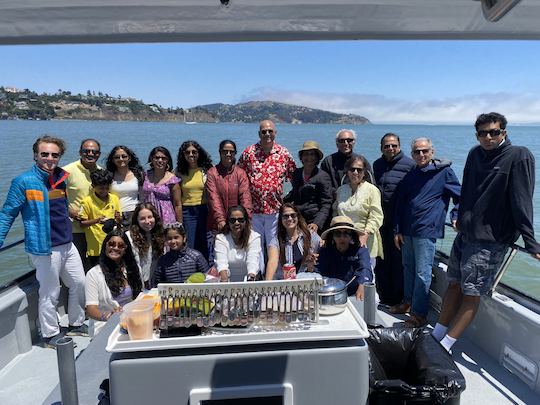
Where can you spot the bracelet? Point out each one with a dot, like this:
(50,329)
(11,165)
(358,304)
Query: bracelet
(105,316)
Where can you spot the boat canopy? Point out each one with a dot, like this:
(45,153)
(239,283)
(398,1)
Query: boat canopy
(109,21)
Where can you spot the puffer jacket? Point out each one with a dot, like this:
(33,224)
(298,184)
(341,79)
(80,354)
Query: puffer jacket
(388,174)
(28,195)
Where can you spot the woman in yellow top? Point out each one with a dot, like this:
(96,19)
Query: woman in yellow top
(192,164)
(361,201)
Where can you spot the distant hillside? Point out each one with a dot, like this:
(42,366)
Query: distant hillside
(255,111)
(27,104)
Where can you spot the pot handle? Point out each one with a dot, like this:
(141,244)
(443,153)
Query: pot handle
(351,280)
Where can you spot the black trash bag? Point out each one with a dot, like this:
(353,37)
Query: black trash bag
(409,366)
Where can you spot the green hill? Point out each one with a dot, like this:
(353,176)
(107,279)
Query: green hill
(63,105)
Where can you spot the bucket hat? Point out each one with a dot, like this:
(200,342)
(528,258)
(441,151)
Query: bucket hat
(311,145)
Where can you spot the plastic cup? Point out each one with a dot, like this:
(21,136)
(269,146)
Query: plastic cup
(139,319)
(156,299)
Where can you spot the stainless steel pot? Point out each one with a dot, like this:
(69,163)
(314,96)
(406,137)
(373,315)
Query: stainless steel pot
(333,296)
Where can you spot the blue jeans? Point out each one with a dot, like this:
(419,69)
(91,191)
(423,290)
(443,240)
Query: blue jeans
(417,256)
(195,218)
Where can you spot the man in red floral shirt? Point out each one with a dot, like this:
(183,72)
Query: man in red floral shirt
(267,165)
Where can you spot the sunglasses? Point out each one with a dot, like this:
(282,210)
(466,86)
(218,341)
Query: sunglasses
(235,220)
(51,154)
(227,152)
(390,145)
(492,132)
(90,152)
(356,170)
(118,157)
(343,140)
(421,151)
(191,152)
(339,234)
(291,216)
(164,158)
(267,131)
(174,225)
(116,245)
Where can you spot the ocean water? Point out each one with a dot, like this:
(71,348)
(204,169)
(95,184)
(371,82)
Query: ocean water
(450,141)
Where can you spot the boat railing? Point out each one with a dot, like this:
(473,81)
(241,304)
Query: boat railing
(11,245)
(20,277)
(514,248)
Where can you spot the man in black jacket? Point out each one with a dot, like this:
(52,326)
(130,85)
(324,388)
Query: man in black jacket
(334,164)
(495,209)
(389,170)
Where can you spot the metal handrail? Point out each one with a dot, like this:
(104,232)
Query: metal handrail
(16,279)
(505,264)
(11,245)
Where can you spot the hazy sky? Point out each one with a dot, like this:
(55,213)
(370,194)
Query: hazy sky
(386,81)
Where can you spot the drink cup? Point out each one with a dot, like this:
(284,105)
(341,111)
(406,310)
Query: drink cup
(139,319)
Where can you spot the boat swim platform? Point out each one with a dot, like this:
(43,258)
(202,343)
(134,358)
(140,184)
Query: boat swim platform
(32,378)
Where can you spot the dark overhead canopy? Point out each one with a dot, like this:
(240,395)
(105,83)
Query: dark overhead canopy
(86,21)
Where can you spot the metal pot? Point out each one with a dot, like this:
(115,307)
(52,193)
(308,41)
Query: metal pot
(333,296)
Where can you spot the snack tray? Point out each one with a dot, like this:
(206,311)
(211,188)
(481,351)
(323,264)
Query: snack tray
(345,326)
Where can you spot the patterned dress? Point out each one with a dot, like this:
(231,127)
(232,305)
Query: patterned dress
(160,196)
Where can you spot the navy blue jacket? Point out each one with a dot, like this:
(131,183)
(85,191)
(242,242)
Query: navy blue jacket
(354,262)
(176,266)
(388,174)
(498,188)
(422,200)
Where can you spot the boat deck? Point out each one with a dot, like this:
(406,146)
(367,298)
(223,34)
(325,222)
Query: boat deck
(487,381)
(32,378)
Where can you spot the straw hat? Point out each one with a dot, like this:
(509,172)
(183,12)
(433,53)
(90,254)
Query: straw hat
(311,145)
(340,222)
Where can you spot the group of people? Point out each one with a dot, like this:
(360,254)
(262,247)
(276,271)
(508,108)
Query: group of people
(129,229)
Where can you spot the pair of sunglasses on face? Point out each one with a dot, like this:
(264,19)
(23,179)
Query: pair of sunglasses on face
(491,132)
(235,220)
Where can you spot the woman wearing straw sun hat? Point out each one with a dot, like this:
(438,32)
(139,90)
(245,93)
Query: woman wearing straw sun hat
(342,256)
(311,187)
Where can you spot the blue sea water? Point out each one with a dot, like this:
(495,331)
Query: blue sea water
(450,141)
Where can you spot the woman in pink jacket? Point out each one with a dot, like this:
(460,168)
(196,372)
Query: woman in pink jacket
(227,185)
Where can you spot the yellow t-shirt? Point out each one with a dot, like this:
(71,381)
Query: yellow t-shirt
(79,186)
(92,208)
(193,188)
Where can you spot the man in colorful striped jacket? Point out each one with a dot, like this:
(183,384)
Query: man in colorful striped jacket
(40,196)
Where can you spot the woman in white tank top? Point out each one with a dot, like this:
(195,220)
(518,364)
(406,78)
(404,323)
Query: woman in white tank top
(127,181)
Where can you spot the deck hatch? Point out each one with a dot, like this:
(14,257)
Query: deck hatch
(520,365)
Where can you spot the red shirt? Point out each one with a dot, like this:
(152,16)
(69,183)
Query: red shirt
(267,172)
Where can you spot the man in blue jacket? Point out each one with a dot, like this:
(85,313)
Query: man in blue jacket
(40,196)
(495,209)
(389,170)
(422,200)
